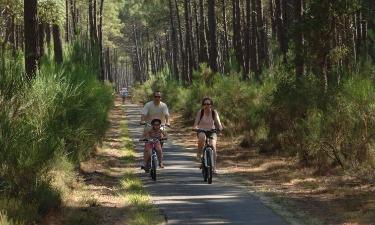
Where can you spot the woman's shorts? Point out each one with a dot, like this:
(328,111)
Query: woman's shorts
(212,135)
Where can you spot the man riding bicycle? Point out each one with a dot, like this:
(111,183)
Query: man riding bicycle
(207,119)
(155,109)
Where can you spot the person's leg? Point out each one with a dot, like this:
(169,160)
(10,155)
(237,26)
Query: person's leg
(201,140)
(213,143)
(147,155)
(159,152)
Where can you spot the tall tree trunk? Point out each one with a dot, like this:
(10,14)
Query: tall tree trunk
(262,54)
(183,58)
(31,37)
(94,15)
(196,35)
(188,42)
(203,55)
(272,15)
(67,22)
(212,35)
(41,39)
(298,39)
(226,45)
(192,40)
(91,22)
(100,28)
(174,42)
(48,35)
(237,43)
(57,44)
(254,62)
(73,12)
(247,39)
(137,53)
(279,14)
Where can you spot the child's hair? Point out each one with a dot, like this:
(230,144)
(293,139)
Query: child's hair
(154,121)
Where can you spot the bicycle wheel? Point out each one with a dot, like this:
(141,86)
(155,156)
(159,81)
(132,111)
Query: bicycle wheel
(153,168)
(209,168)
(204,168)
(204,173)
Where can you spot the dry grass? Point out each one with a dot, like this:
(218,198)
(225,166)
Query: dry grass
(332,198)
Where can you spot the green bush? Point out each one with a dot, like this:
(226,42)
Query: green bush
(62,112)
(323,128)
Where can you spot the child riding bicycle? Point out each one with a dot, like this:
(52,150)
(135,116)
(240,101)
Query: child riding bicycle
(154,132)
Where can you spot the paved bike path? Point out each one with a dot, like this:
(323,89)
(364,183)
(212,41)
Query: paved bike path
(184,198)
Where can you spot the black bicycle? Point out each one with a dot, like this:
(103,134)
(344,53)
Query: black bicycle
(207,160)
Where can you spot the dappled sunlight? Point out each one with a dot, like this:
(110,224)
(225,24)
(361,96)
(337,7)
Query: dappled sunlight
(180,191)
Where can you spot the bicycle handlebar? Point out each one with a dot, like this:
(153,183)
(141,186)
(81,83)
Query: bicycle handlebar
(206,131)
(153,139)
(150,125)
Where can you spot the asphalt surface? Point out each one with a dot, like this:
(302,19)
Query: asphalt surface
(184,198)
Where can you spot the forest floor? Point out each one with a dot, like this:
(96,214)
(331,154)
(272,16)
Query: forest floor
(295,191)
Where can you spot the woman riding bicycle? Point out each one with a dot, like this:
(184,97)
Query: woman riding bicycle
(154,132)
(207,119)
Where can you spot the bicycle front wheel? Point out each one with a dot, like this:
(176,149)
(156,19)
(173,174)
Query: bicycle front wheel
(153,168)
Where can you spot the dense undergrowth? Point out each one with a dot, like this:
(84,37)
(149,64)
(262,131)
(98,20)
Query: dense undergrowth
(47,125)
(323,128)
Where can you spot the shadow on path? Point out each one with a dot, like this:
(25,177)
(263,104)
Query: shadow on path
(183,196)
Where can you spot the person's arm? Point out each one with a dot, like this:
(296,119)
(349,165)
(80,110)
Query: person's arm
(144,113)
(164,134)
(167,120)
(166,115)
(217,121)
(195,126)
(145,135)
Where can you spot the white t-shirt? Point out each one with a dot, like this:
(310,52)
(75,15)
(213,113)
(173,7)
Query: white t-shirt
(152,111)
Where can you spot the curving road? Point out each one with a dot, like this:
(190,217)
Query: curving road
(184,198)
